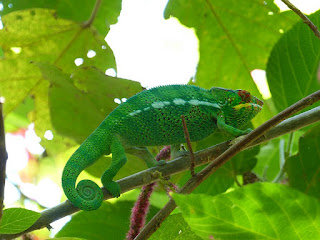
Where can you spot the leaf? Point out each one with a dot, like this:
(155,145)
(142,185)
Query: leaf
(293,63)
(268,161)
(232,43)
(110,220)
(107,14)
(174,227)
(218,182)
(16,220)
(303,169)
(256,211)
(67,238)
(18,119)
(37,35)
(94,93)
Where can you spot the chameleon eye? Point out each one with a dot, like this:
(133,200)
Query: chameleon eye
(245,96)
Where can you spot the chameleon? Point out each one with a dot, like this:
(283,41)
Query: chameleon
(153,118)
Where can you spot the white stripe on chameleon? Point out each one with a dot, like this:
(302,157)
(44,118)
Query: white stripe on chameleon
(135,112)
(198,102)
(176,101)
(157,105)
(179,101)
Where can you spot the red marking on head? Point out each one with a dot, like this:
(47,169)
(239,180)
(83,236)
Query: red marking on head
(245,95)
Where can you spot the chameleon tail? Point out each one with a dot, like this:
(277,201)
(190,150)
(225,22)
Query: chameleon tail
(87,195)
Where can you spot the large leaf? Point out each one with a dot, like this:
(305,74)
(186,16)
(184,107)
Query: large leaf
(109,221)
(15,220)
(174,228)
(293,64)
(304,168)
(268,161)
(231,41)
(78,104)
(108,11)
(256,211)
(40,36)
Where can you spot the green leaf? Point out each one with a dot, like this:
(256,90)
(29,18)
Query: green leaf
(107,14)
(174,228)
(110,220)
(293,64)
(256,211)
(67,238)
(303,169)
(216,183)
(16,220)
(18,119)
(37,35)
(268,166)
(94,93)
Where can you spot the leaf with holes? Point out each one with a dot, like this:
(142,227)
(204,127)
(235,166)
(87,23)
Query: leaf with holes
(37,35)
(84,99)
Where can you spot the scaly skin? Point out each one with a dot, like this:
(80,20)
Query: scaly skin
(151,118)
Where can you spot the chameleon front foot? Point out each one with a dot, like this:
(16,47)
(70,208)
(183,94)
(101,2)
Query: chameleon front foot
(113,187)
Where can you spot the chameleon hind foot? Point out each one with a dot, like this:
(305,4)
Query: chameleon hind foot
(113,187)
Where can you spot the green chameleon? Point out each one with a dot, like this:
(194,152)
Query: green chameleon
(151,118)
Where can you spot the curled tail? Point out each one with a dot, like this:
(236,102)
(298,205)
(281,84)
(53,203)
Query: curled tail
(87,195)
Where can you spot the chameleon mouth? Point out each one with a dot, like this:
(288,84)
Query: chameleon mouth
(249,105)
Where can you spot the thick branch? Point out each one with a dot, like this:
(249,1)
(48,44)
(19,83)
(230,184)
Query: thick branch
(3,160)
(305,19)
(173,167)
(245,142)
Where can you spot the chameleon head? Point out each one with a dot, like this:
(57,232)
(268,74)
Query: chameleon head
(238,106)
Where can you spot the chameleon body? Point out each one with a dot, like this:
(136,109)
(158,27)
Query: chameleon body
(150,118)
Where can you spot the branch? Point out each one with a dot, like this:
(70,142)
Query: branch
(178,165)
(305,19)
(245,142)
(3,160)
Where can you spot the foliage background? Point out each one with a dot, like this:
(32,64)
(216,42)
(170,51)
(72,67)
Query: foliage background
(42,84)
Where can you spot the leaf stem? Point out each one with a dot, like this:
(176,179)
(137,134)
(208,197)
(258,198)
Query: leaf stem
(93,14)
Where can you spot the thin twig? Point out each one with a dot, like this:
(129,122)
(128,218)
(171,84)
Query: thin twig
(305,19)
(193,182)
(187,137)
(175,166)
(3,160)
